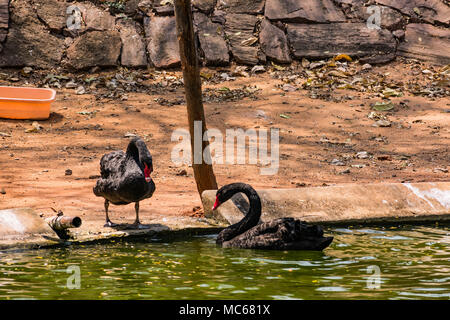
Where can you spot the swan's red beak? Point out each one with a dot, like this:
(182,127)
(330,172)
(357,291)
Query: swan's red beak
(147,172)
(216,204)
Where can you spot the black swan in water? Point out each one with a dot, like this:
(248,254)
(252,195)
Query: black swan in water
(278,234)
(125,178)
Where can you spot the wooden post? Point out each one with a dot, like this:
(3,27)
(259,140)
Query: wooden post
(203,173)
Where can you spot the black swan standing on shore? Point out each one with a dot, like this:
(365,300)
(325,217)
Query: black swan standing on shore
(125,178)
(278,234)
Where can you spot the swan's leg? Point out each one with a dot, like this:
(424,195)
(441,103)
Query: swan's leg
(108,222)
(136,208)
(137,224)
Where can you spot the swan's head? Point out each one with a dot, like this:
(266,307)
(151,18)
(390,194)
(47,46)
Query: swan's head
(148,169)
(226,192)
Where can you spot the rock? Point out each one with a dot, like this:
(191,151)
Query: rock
(274,43)
(329,40)
(241,6)
(95,18)
(212,43)
(52,13)
(4,14)
(2,191)
(24,45)
(288,88)
(166,10)
(162,42)
(133,45)
(71,85)
(80,90)
(378,58)
(431,11)
(257,69)
(362,155)
(226,77)
(68,172)
(35,127)
(146,6)
(204,5)
(337,162)
(322,11)
(399,34)
(390,18)
(239,29)
(382,123)
(132,7)
(96,48)
(426,42)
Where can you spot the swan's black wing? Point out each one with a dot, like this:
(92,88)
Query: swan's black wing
(111,163)
(122,180)
(110,167)
(282,234)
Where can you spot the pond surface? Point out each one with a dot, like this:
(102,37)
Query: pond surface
(413,262)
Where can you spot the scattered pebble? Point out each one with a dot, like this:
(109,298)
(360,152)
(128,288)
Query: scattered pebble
(71,85)
(382,123)
(226,77)
(362,155)
(80,90)
(289,88)
(256,69)
(337,162)
(35,127)
(129,135)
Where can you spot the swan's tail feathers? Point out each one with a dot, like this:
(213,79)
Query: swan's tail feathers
(324,243)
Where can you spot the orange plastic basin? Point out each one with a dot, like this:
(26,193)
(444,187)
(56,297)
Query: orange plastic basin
(25,103)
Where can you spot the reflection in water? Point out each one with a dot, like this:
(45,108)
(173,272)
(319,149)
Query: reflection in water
(413,263)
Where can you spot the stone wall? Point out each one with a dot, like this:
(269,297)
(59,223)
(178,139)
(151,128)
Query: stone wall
(136,33)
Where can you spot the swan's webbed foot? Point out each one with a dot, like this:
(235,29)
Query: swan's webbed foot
(110,224)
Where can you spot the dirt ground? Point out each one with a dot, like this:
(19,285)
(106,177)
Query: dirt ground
(321,133)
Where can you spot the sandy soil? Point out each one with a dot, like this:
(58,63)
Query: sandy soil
(313,132)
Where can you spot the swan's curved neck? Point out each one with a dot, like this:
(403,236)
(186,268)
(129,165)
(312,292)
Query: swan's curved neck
(250,220)
(137,150)
(132,150)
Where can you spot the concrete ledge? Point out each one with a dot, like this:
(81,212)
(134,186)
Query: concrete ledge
(23,228)
(345,204)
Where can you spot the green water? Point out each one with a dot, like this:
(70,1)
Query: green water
(414,263)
